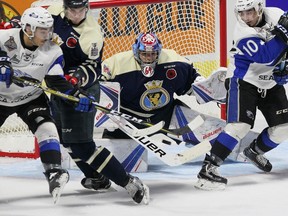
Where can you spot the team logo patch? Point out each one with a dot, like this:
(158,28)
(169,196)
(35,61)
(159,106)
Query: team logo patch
(71,42)
(148,71)
(155,96)
(171,73)
(10,44)
(94,49)
(27,57)
(149,41)
(107,70)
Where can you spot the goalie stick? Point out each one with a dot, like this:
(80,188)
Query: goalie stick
(160,145)
(29,82)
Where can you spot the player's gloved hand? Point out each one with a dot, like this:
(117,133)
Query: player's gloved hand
(85,104)
(13,23)
(76,76)
(6,70)
(280,73)
(281,29)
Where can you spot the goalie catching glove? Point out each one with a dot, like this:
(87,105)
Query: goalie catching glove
(280,73)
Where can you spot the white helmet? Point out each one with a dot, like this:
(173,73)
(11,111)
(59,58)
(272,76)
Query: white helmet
(36,17)
(243,5)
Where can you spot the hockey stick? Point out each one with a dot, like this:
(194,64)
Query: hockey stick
(160,145)
(29,82)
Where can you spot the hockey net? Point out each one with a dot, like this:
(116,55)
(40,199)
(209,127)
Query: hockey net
(191,28)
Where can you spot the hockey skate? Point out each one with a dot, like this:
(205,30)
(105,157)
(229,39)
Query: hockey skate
(209,178)
(96,183)
(256,158)
(57,179)
(137,190)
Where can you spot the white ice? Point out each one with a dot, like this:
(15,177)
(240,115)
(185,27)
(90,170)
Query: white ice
(24,191)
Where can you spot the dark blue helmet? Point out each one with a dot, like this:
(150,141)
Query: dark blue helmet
(75,3)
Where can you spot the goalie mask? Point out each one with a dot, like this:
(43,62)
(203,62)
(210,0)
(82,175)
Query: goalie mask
(243,8)
(147,49)
(40,18)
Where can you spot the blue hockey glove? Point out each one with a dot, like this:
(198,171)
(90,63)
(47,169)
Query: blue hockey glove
(85,105)
(280,73)
(281,29)
(6,70)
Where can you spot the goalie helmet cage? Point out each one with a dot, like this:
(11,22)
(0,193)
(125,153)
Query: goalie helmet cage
(195,29)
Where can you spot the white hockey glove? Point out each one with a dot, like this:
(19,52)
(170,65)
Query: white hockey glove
(212,88)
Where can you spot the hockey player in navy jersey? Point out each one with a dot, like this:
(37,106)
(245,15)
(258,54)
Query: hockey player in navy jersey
(28,51)
(149,76)
(81,41)
(254,80)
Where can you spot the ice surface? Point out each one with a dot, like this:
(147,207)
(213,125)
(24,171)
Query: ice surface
(24,191)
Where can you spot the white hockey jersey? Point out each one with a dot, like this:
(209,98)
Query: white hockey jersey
(45,60)
(256,51)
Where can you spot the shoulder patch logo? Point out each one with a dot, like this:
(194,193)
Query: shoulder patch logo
(171,73)
(10,44)
(71,42)
(94,49)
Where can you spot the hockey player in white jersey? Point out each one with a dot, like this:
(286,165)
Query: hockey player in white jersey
(254,80)
(28,51)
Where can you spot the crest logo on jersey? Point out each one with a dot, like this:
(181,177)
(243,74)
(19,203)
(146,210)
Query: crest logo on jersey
(148,71)
(171,73)
(71,42)
(10,44)
(155,96)
(27,57)
(94,50)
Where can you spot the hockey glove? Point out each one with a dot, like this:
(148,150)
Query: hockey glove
(13,23)
(280,73)
(6,70)
(76,76)
(281,29)
(85,105)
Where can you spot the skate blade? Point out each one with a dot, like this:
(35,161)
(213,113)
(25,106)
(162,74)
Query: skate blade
(203,184)
(56,193)
(146,197)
